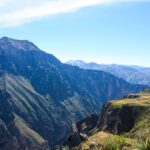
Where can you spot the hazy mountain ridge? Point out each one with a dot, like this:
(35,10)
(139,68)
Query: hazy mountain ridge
(132,74)
(43,95)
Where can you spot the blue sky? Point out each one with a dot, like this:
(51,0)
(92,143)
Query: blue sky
(98,31)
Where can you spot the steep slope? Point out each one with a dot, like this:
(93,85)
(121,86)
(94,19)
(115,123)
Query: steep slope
(132,74)
(15,133)
(43,96)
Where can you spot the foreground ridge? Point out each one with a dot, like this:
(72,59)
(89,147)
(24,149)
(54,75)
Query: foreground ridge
(123,124)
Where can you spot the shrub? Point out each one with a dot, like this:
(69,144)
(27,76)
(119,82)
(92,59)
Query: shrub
(145,145)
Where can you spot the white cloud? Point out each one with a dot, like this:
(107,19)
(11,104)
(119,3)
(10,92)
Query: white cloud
(16,12)
(4,2)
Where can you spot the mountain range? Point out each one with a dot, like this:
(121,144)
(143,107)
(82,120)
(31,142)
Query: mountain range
(132,74)
(40,96)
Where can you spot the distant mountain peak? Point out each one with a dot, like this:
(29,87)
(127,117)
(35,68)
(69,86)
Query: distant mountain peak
(6,43)
(75,61)
(4,38)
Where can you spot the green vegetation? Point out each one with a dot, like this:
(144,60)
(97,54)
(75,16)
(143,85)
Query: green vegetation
(145,145)
(108,141)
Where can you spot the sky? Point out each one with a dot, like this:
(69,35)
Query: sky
(102,31)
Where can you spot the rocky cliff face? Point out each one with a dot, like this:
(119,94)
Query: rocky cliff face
(40,96)
(87,125)
(118,120)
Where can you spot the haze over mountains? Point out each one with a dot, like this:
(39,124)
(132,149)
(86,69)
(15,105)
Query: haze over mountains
(132,74)
(40,96)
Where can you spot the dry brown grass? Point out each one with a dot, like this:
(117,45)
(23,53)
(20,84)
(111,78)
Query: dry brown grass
(143,100)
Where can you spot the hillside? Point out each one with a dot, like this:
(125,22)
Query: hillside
(132,74)
(40,96)
(123,124)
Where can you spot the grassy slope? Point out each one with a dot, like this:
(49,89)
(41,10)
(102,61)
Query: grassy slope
(107,141)
(142,100)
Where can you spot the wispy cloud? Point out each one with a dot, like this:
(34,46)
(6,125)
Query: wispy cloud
(16,12)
